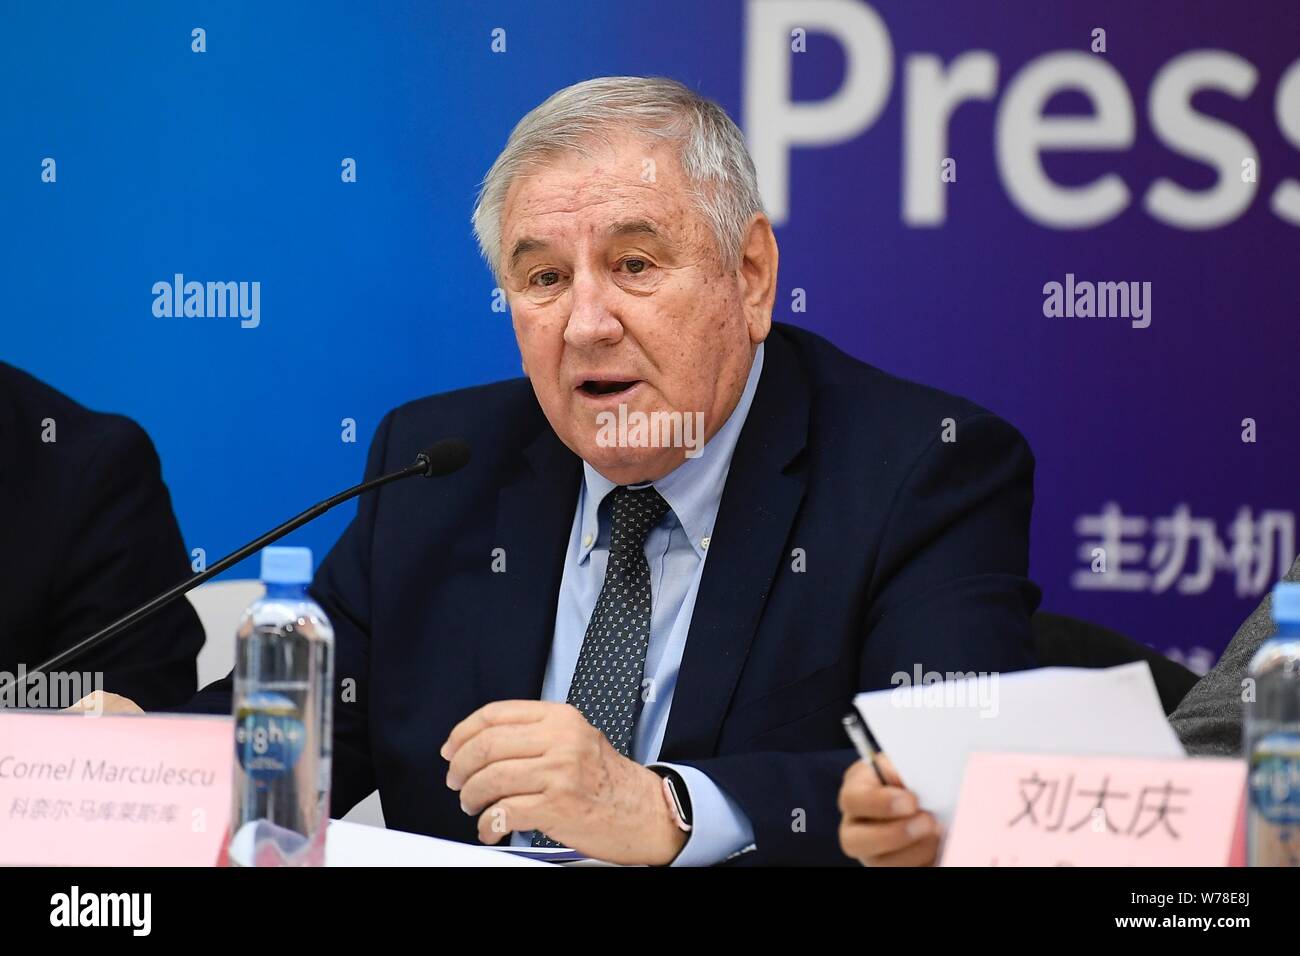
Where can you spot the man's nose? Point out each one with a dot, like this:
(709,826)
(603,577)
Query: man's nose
(592,321)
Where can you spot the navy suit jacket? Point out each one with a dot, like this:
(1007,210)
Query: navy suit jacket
(852,542)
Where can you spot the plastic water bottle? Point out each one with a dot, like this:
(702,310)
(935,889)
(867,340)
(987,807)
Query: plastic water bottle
(1272,738)
(284,672)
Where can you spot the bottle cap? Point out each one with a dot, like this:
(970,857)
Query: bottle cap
(1286,602)
(286,565)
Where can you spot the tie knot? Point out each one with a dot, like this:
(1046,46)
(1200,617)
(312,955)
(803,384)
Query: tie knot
(632,515)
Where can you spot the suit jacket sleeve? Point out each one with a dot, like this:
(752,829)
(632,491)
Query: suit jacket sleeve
(948,593)
(122,545)
(1208,720)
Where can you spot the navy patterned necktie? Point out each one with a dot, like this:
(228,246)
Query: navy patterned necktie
(606,684)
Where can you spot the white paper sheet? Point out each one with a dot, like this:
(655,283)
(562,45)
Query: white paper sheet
(354,844)
(928,731)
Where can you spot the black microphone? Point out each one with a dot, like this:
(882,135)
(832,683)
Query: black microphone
(439,459)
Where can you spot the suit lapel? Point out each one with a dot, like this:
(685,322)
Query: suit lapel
(534,518)
(759,502)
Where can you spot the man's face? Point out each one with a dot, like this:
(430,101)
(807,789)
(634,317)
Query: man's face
(619,296)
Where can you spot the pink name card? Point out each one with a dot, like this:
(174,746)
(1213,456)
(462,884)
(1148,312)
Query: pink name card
(113,791)
(1055,810)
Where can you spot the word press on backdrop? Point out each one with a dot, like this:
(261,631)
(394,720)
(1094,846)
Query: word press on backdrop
(1083,216)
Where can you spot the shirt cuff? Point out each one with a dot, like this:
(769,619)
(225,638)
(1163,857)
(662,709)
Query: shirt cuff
(719,828)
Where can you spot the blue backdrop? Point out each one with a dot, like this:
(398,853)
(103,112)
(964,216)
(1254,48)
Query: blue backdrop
(211,140)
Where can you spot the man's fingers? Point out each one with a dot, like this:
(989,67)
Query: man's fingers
(923,852)
(491,715)
(862,776)
(869,841)
(504,742)
(877,802)
(102,702)
(501,779)
(859,776)
(887,768)
(882,825)
(513,814)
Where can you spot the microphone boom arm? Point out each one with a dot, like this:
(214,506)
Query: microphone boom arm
(421,466)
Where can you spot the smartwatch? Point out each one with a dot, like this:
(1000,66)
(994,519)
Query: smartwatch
(677,797)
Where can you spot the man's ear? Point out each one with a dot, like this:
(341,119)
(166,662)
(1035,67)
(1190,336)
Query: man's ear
(758,265)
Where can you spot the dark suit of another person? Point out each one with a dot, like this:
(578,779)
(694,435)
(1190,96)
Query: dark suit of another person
(916,552)
(86,534)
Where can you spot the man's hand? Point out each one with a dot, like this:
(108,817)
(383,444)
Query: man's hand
(537,765)
(102,702)
(881,825)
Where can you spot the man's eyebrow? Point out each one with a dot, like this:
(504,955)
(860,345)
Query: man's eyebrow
(636,227)
(628,227)
(522,248)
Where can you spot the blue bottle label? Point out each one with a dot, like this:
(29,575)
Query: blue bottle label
(1275,781)
(269,736)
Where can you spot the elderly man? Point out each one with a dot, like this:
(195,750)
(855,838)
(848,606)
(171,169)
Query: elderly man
(632,624)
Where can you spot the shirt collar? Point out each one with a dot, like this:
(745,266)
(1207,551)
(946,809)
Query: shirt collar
(693,489)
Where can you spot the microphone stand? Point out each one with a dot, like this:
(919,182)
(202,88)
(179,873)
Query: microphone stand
(442,458)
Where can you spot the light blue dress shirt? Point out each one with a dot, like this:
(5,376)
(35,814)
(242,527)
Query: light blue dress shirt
(675,550)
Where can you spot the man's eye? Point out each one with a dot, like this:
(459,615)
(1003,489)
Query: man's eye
(635,266)
(549,277)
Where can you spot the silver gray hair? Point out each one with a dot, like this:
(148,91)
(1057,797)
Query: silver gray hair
(710,147)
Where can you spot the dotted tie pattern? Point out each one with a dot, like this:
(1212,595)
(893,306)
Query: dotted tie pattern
(606,684)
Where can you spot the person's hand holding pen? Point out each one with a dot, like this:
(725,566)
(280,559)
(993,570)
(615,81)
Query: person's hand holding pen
(881,823)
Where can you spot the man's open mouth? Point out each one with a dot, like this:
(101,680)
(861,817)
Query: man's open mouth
(606,386)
